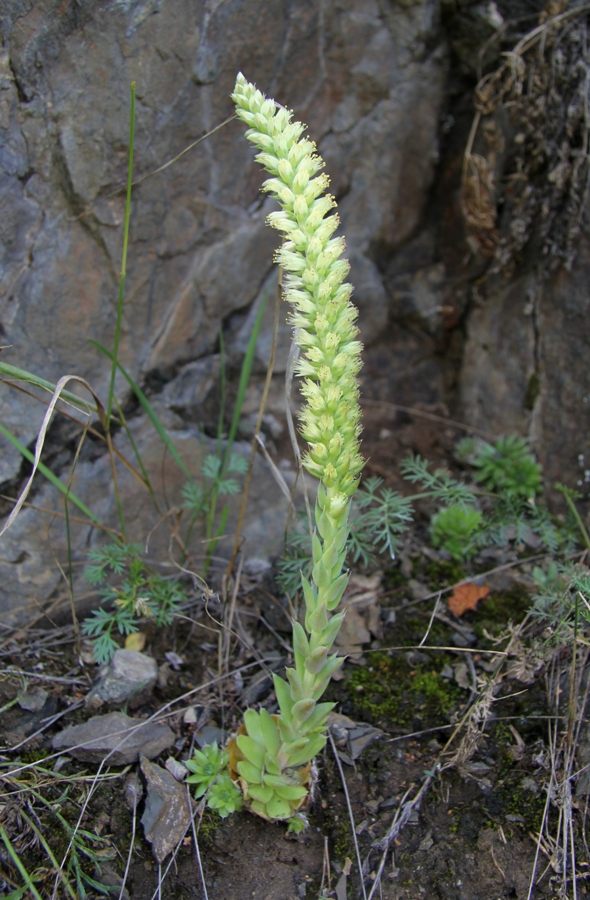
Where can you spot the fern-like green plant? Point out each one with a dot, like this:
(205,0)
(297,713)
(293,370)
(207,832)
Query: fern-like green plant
(139,594)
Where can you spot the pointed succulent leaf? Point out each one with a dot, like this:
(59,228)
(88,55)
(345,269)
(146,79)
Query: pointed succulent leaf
(297,692)
(286,731)
(249,772)
(303,709)
(321,575)
(284,698)
(331,666)
(315,661)
(258,792)
(330,632)
(330,556)
(291,792)
(203,785)
(333,594)
(315,744)
(252,750)
(272,767)
(253,725)
(270,732)
(300,641)
(309,593)
(318,619)
(317,551)
(318,717)
(295,747)
(274,781)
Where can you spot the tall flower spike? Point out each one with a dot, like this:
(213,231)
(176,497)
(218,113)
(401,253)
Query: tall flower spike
(271,756)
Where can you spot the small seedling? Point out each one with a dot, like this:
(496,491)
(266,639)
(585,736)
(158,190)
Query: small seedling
(455,529)
(141,594)
(209,768)
(508,467)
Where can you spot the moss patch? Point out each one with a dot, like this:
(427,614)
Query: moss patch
(389,690)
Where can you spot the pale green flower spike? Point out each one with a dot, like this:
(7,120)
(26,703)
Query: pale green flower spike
(272,757)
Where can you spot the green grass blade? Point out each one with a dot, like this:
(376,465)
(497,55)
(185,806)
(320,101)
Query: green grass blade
(123,256)
(24,874)
(222,392)
(30,378)
(49,852)
(48,474)
(135,449)
(146,405)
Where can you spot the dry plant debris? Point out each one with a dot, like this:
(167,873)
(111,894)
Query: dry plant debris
(530,175)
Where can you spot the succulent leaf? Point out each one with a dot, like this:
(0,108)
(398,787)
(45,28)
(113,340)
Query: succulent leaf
(254,725)
(252,750)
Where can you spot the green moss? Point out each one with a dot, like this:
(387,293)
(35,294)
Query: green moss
(342,840)
(389,690)
(522,802)
(443,573)
(33,756)
(496,610)
(394,578)
(438,693)
(210,822)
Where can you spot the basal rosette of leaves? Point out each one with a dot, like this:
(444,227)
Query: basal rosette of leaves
(271,755)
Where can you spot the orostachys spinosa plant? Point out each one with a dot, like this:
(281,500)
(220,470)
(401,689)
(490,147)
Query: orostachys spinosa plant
(271,756)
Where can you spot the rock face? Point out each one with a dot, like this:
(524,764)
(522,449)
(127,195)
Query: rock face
(370,77)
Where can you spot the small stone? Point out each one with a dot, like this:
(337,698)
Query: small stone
(129,677)
(168,809)
(190,716)
(116,738)
(417,589)
(174,660)
(176,769)
(209,734)
(132,790)
(33,700)
(361,737)
(427,842)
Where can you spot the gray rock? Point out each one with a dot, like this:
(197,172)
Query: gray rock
(370,79)
(129,676)
(133,790)
(168,809)
(116,738)
(176,769)
(33,700)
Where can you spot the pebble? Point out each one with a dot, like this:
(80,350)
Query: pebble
(129,677)
(176,769)
(167,814)
(33,700)
(116,738)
